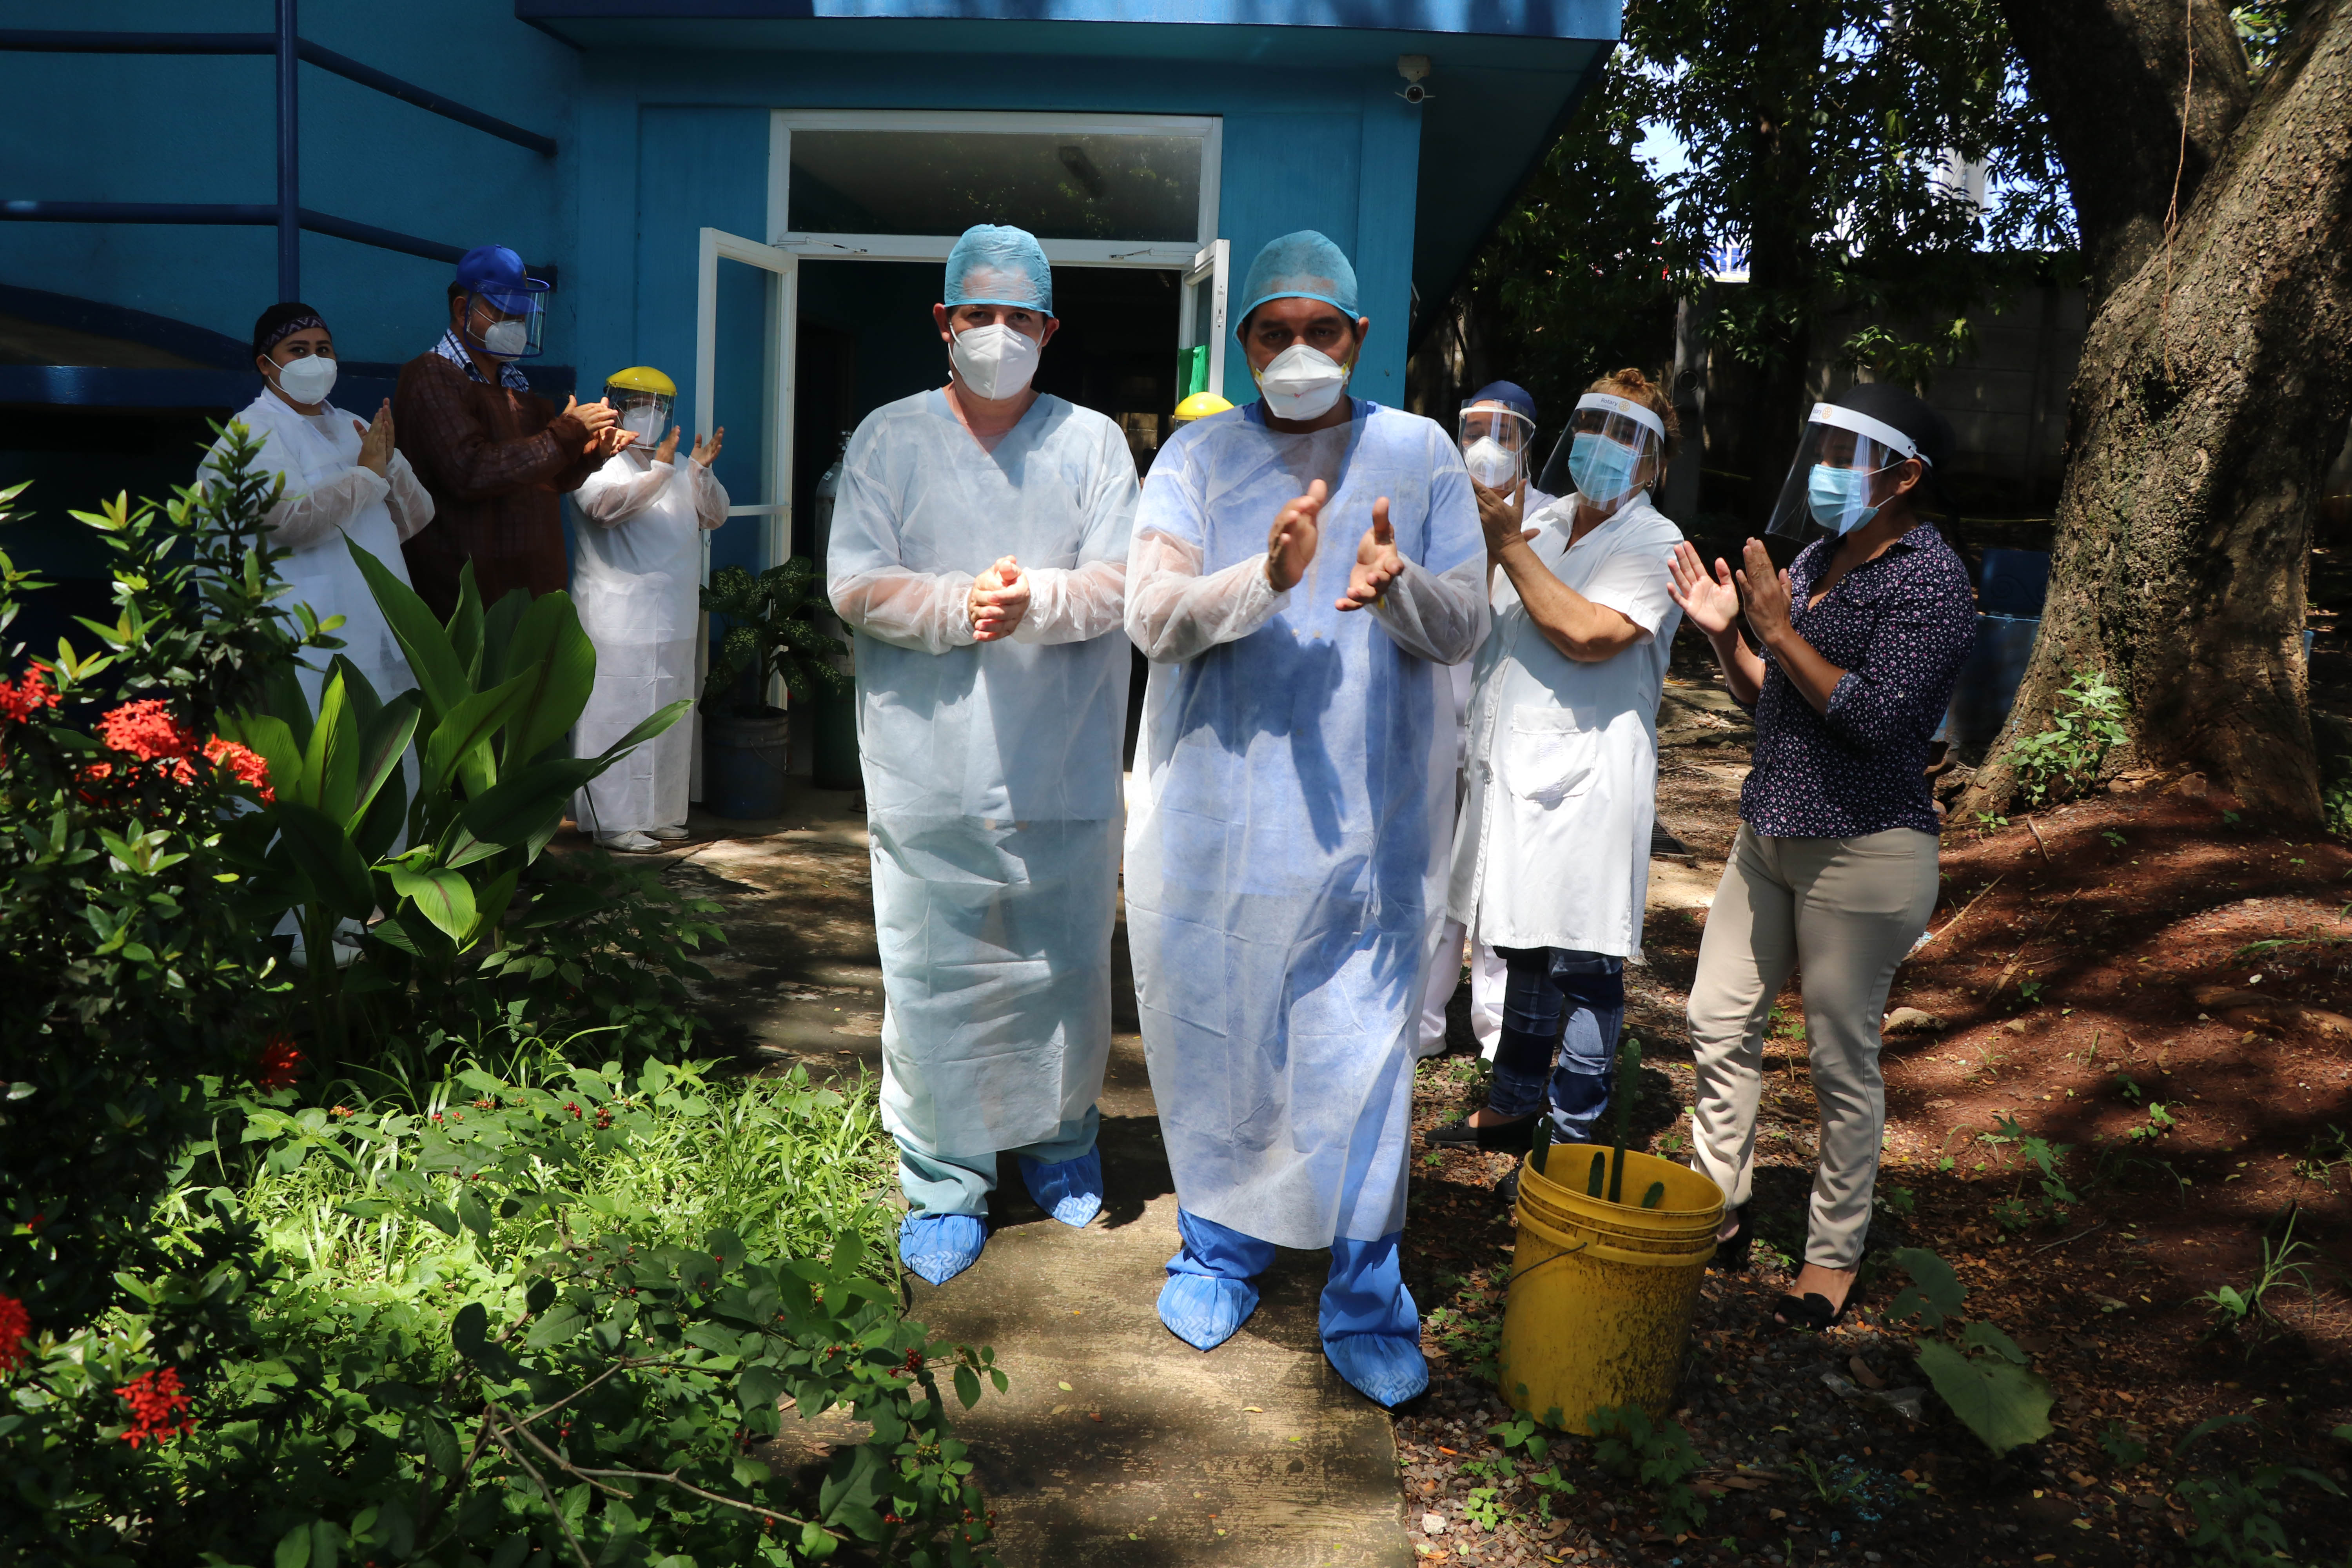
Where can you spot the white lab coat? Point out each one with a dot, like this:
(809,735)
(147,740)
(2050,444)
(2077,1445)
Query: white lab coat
(636,576)
(329,499)
(992,769)
(1285,877)
(1553,849)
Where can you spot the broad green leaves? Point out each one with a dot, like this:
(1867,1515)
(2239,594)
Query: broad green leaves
(1986,1378)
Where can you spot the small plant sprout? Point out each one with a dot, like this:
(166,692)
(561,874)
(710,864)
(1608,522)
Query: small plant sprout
(2087,721)
(2234,1310)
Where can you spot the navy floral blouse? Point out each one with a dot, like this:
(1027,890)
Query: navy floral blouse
(1900,626)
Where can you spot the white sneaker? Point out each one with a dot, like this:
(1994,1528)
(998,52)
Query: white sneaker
(668,835)
(629,843)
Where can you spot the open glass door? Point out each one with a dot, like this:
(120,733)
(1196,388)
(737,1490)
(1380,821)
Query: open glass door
(746,305)
(1200,330)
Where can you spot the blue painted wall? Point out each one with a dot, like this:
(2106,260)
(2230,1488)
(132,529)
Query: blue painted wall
(202,129)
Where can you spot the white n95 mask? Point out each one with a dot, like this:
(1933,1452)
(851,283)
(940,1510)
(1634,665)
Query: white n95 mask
(1490,462)
(307,379)
(1302,383)
(506,339)
(993,360)
(646,422)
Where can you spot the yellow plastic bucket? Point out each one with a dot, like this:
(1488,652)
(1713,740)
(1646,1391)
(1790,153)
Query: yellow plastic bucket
(1603,1294)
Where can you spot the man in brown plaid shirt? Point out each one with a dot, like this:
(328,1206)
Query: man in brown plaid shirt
(494,454)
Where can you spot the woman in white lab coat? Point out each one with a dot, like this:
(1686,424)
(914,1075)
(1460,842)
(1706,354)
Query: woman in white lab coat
(345,480)
(635,577)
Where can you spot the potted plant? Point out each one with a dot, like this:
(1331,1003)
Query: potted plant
(747,744)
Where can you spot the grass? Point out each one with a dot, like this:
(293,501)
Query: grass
(782,1162)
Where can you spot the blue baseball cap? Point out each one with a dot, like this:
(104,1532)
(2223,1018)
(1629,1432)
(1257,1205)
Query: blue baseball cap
(498,275)
(1510,394)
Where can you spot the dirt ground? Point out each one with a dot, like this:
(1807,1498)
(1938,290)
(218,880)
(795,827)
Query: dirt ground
(2146,982)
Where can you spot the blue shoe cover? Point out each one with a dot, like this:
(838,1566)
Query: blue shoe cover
(1203,1311)
(939,1247)
(1071,1190)
(1387,1369)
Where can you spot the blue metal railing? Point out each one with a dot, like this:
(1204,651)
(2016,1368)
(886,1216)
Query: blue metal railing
(287,214)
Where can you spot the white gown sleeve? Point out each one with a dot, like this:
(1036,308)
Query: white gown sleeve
(1441,617)
(1174,613)
(1073,604)
(709,496)
(301,521)
(619,489)
(926,610)
(410,503)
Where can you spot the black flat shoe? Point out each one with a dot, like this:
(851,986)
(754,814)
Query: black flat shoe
(1731,1251)
(1812,1311)
(1508,1138)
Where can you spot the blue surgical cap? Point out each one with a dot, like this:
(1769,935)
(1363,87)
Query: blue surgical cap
(996,264)
(1302,265)
(1509,394)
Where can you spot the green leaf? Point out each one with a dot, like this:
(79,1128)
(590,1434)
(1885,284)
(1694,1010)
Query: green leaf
(272,740)
(365,699)
(473,1214)
(384,739)
(498,623)
(758,1388)
(331,763)
(294,1548)
(491,903)
(440,675)
(439,1443)
(1935,1293)
(511,810)
(967,1386)
(441,896)
(282,698)
(560,1326)
(660,721)
(550,649)
(459,744)
(327,859)
(1981,1335)
(2002,1404)
(466,627)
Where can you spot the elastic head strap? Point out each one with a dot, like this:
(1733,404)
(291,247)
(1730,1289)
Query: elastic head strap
(1629,409)
(1878,430)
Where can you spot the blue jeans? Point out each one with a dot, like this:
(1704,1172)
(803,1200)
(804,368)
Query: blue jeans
(1574,1001)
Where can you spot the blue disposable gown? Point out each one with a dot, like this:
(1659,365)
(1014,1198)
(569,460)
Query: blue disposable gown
(992,769)
(1286,866)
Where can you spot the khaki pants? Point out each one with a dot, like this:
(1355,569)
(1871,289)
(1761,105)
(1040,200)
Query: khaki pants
(1844,912)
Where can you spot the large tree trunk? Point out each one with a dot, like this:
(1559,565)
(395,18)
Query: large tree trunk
(2214,385)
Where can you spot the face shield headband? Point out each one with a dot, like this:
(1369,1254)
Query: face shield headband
(1829,484)
(1606,452)
(1495,441)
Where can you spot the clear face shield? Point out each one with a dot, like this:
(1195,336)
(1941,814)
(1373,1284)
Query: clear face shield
(1495,441)
(1612,448)
(1845,468)
(506,323)
(646,413)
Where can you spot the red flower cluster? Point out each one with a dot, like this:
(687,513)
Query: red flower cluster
(280,1064)
(146,730)
(155,1398)
(15,1330)
(20,700)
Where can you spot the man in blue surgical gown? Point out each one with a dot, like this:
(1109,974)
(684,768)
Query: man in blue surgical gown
(1285,871)
(978,550)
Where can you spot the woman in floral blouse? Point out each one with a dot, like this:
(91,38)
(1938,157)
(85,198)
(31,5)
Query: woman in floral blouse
(1834,874)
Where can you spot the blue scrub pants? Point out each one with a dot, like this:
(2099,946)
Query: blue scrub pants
(960,1183)
(1556,996)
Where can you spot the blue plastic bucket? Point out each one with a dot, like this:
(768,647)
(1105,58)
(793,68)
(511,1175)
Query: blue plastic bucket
(745,758)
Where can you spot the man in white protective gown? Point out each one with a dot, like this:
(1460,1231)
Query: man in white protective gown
(345,480)
(636,579)
(978,551)
(1285,873)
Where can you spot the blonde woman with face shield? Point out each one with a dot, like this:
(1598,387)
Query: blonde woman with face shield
(978,551)
(636,573)
(1286,869)
(1551,860)
(345,480)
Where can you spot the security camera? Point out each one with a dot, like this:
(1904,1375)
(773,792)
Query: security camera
(1414,68)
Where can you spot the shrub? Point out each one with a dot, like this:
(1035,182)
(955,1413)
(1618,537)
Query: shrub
(770,633)
(2085,722)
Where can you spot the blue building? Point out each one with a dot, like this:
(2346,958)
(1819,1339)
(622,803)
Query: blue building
(754,195)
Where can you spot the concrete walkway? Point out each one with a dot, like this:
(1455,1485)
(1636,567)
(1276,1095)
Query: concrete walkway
(1115,1443)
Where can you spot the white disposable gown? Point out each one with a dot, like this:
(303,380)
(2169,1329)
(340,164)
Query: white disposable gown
(1285,873)
(328,498)
(636,573)
(992,769)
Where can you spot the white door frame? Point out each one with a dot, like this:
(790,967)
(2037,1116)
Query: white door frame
(1214,263)
(776,450)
